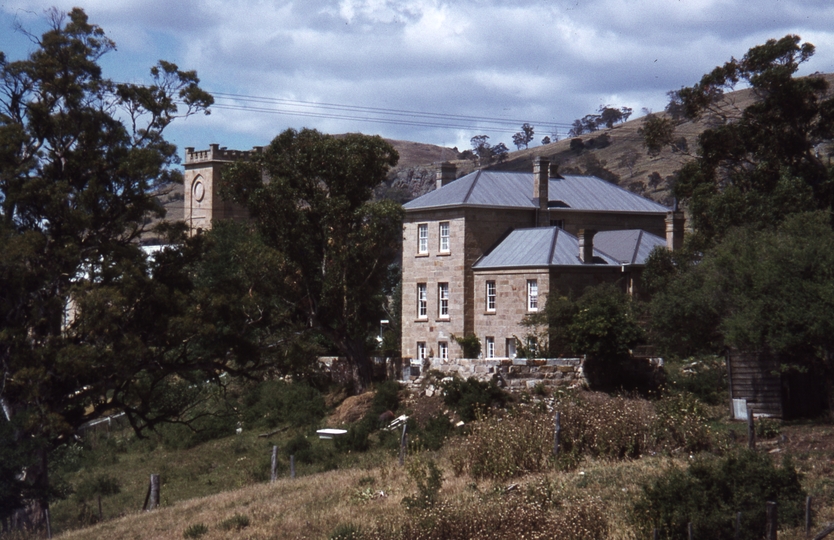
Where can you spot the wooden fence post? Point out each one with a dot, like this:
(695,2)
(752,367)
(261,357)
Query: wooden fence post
(292,466)
(771,520)
(825,532)
(737,535)
(689,530)
(808,516)
(655,535)
(274,470)
(152,498)
(557,433)
(403,443)
(48,524)
(751,430)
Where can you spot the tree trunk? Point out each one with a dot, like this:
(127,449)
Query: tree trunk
(360,364)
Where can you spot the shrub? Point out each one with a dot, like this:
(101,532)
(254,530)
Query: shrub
(355,440)
(346,531)
(301,448)
(195,531)
(101,485)
(236,523)
(711,491)
(471,397)
(386,398)
(470,344)
(429,479)
(272,403)
(704,377)
(501,448)
(433,434)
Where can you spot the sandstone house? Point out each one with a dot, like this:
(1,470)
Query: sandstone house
(482,251)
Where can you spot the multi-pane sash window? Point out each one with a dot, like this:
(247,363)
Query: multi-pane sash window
(422,301)
(421,350)
(443,349)
(423,238)
(444,237)
(490,347)
(490,296)
(443,299)
(532,295)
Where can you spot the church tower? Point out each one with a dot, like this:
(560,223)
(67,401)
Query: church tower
(202,203)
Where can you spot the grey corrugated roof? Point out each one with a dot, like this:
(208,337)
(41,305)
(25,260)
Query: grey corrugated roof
(538,248)
(515,190)
(629,246)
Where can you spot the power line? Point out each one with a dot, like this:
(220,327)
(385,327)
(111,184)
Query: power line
(373,114)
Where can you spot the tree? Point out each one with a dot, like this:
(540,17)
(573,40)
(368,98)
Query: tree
(755,290)
(546,140)
(608,116)
(657,132)
(331,244)
(482,149)
(577,128)
(85,313)
(500,152)
(760,164)
(523,137)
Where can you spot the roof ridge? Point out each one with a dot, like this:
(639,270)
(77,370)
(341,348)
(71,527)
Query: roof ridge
(471,187)
(637,245)
(553,245)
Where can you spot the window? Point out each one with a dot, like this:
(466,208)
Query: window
(511,347)
(557,223)
(532,295)
(490,296)
(490,347)
(444,237)
(421,350)
(422,238)
(422,301)
(443,350)
(443,299)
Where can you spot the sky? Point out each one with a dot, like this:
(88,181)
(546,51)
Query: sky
(431,71)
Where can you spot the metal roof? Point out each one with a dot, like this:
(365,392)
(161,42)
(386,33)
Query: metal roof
(515,190)
(551,246)
(538,248)
(629,246)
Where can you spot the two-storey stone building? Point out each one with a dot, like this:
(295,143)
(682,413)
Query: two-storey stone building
(482,251)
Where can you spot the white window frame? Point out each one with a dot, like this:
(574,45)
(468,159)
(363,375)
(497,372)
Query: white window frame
(444,230)
(422,301)
(532,295)
(421,350)
(423,238)
(490,295)
(511,347)
(443,349)
(490,346)
(443,300)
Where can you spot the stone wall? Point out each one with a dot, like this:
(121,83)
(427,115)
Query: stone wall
(511,373)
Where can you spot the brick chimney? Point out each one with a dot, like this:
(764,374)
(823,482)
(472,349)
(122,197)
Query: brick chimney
(541,178)
(675,221)
(586,246)
(446,173)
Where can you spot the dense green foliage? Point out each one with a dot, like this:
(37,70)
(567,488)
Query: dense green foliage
(711,491)
(756,166)
(756,289)
(472,398)
(329,245)
(600,323)
(89,323)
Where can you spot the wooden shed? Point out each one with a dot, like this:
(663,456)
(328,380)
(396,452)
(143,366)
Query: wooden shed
(758,379)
